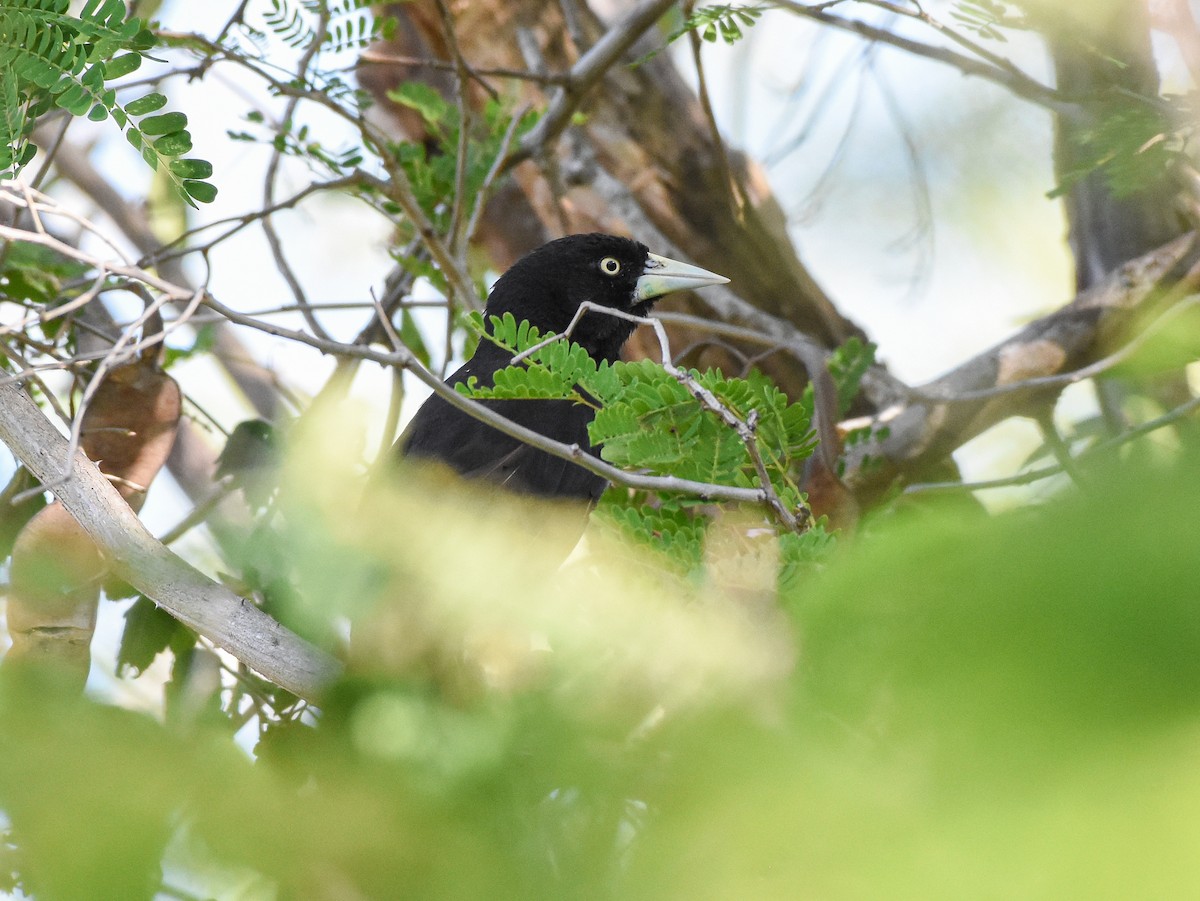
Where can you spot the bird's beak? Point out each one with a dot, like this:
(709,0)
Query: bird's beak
(662,276)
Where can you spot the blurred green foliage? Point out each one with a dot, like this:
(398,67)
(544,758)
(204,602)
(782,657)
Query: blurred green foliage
(980,707)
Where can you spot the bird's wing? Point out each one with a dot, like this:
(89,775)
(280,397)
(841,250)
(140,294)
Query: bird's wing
(526,469)
(476,450)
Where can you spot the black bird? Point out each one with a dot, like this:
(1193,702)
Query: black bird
(546,287)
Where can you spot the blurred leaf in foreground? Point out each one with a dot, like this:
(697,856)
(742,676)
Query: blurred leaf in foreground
(953,708)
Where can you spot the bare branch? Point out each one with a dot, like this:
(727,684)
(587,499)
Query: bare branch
(268,223)
(230,622)
(391,59)
(404,359)
(1007,77)
(585,73)
(73,164)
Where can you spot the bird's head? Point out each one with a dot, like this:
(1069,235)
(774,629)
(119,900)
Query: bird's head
(547,286)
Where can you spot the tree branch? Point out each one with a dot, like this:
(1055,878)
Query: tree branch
(228,621)
(1011,78)
(585,73)
(72,162)
(924,428)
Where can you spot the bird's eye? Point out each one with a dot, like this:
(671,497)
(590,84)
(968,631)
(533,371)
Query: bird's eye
(610,265)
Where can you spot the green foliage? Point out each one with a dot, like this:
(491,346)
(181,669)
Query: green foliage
(975,703)
(14,516)
(1133,144)
(724,21)
(847,366)
(351,24)
(150,630)
(205,340)
(432,165)
(50,59)
(720,20)
(33,274)
(648,420)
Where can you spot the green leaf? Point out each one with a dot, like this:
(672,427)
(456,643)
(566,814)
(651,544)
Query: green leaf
(201,191)
(147,104)
(192,168)
(166,124)
(122,65)
(149,630)
(174,144)
(417,95)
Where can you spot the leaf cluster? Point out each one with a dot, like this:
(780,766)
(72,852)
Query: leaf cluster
(50,59)
(432,165)
(724,21)
(720,21)
(296,140)
(1033,674)
(649,420)
(32,274)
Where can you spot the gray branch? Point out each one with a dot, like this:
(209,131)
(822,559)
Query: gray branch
(227,620)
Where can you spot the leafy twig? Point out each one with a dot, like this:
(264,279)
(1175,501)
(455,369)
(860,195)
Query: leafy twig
(745,428)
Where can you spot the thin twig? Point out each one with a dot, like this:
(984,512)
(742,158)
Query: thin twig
(1015,81)
(466,120)
(1167,419)
(397,187)
(390,59)
(268,224)
(485,189)
(737,196)
(404,358)
(174,248)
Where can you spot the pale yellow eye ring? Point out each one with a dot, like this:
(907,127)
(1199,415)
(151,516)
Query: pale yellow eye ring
(610,265)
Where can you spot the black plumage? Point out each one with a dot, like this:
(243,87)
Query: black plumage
(546,288)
